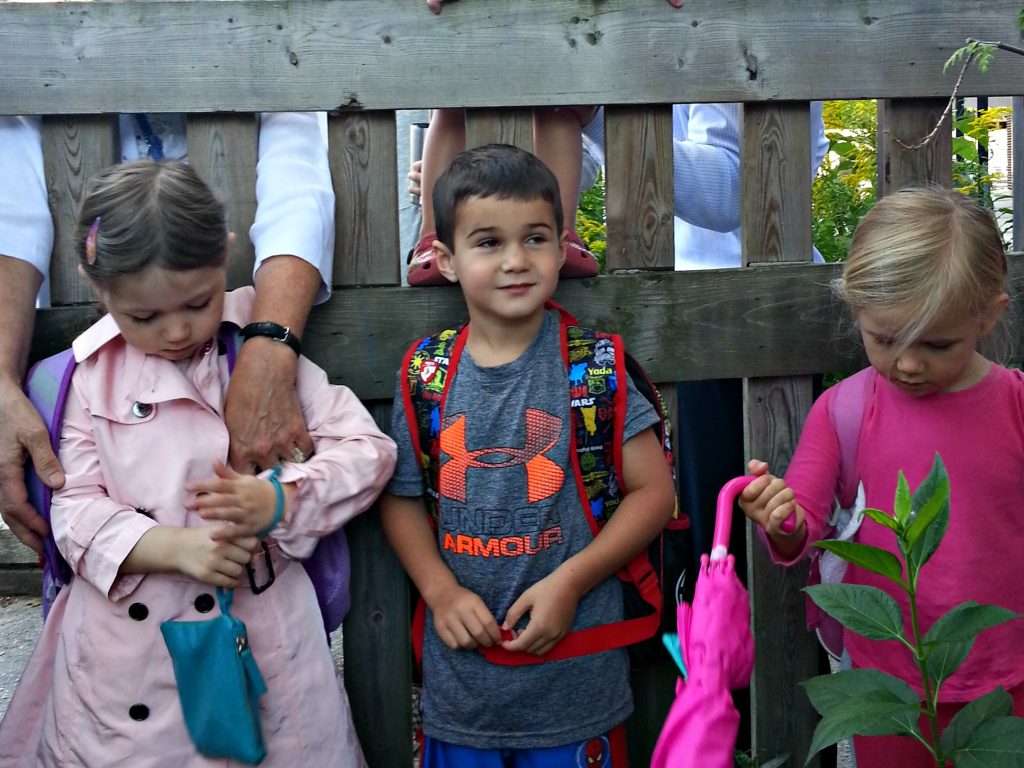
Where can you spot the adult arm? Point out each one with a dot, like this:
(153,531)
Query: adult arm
(293,235)
(350,467)
(706,165)
(26,239)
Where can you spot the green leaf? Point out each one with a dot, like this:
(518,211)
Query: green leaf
(901,505)
(995,743)
(873,559)
(868,611)
(928,501)
(860,701)
(997,703)
(882,518)
(926,544)
(966,621)
(776,762)
(952,636)
(965,148)
(944,659)
(1020,20)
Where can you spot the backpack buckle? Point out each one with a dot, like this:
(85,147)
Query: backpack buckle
(268,566)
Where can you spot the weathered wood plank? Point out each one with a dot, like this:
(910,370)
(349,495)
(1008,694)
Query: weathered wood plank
(776,205)
(378,677)
(378,672)
(363,161)
(264,55)
(902,125)
(73,152)
(223,149)
(638,191)
(501,126)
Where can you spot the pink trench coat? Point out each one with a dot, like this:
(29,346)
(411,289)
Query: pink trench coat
(99,689)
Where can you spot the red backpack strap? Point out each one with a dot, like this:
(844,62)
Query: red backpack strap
(428,366)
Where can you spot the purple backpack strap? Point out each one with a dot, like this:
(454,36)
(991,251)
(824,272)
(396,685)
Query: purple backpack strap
(847,415)
(329,567)
(47,386)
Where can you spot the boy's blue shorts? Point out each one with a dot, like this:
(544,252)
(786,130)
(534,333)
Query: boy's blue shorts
(606,751)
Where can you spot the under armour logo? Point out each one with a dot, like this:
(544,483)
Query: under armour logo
(543,476)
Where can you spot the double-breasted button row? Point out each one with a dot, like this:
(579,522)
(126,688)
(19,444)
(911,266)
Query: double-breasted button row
(203,603)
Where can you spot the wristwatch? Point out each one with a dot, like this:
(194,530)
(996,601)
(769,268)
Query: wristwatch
(273,331)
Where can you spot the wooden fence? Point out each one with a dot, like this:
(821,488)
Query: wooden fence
(772,322)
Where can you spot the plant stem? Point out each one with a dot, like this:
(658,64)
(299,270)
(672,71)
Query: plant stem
(926,683)
(1001,46)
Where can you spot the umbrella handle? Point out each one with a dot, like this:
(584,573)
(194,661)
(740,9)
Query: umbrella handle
(723,515)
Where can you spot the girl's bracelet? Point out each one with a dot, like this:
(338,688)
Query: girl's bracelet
(279,507)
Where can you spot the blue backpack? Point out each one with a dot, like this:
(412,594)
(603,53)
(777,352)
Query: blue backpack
(47,386)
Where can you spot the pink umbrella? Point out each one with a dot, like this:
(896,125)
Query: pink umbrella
(718,652)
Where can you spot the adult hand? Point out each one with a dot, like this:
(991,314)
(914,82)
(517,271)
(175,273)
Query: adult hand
(262,412)
(22,431)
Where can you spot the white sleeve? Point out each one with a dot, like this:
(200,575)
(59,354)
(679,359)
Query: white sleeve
(26,228)
(294,195)
(706,165)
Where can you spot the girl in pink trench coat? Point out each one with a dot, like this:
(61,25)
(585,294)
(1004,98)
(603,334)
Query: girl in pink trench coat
(150,526)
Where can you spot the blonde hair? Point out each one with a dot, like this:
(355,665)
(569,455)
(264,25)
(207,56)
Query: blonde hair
(927,251)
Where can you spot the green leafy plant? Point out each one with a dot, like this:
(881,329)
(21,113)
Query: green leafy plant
(871,703)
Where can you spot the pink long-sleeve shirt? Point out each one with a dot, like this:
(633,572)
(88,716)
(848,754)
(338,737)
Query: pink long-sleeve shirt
(979,432)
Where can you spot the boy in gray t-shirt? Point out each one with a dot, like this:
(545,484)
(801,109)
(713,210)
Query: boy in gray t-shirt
(513,562)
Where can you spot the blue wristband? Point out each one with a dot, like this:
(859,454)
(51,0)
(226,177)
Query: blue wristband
(279,507)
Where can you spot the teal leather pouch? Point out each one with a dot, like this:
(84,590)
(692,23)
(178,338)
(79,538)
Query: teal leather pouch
(219,684)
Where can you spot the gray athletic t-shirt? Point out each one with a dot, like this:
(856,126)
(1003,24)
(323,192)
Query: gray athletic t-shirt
(509,515)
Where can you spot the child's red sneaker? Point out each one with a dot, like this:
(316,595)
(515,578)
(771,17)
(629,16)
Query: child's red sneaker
(423,269)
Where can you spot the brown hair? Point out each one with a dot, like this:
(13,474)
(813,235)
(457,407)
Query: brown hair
(144,213)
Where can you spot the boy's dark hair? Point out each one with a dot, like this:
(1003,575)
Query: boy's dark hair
(494,170)
(145,213)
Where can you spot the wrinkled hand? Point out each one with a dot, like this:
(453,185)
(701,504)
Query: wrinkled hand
(262,412)
(22,431)
(415,177)
(206,555)
(551,603)
(244,501)
(770,503)
(463,621)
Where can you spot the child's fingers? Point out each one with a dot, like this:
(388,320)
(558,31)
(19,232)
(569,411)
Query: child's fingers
(756,489)
(757,467)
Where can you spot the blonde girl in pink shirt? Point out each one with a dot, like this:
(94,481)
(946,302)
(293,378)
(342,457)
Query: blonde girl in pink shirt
(926,281)
(151,520)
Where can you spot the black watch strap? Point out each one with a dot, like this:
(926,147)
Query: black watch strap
(275,332)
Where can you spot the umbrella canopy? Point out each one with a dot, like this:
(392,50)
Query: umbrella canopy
(718,652)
